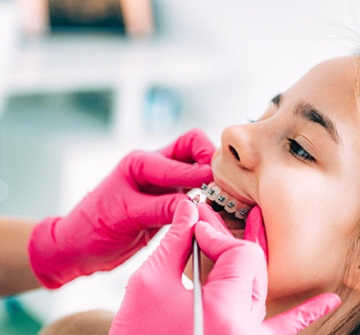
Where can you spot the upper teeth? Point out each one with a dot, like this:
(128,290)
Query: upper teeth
(214,193)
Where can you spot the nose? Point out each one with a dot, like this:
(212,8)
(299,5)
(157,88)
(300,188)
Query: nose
(241,144)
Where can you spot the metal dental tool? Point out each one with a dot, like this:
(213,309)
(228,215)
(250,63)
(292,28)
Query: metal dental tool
(198,308)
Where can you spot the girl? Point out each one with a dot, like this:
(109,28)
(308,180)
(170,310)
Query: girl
(299,163)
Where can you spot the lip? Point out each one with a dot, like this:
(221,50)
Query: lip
(231,191)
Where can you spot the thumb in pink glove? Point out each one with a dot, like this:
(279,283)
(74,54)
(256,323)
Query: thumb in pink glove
(122,214)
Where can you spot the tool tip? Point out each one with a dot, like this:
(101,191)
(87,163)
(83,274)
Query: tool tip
(196,199)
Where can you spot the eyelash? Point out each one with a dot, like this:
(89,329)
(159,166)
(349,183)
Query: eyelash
(252,121)
(295,148)
(298,151)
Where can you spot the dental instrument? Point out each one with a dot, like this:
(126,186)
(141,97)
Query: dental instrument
(198,308)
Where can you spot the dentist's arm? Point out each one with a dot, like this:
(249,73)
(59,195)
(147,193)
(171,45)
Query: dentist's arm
(15,271)
(122,214)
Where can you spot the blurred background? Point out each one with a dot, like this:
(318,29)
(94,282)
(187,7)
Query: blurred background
(83,83)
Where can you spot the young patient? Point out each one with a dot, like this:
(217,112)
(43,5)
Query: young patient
(300,163)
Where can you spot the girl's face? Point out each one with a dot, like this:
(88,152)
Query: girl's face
(300,162)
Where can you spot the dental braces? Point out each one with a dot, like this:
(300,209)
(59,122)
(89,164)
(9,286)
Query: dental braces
(229,206)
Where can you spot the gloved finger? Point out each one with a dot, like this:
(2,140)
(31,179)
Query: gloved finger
(192,147)
(154,169)
(259,289)
(175,248)
(298,318)
(255,230)
(157,283)
(240,266)
(207,214)
(159,210)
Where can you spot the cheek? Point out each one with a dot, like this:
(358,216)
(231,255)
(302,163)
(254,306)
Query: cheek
(285,212)
(306,244)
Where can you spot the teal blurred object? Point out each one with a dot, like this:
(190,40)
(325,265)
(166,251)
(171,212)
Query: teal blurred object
(16,321)
(162,110)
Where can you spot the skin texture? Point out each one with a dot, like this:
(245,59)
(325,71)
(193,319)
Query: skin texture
(95,322)
(308,190)
(15,273)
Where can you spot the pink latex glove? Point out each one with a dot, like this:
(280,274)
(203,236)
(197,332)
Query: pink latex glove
(122,214)
(234,294)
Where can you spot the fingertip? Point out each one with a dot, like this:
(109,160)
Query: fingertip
(191,147)
(336,300)
(204,232)
(205,209)
(206,148)
(186,203)
(206,213)
(165,207)
(186,213)
(212,241)
(300,317)
(202,227)
(329,301)
(205,229)
(204,172)
(190,175)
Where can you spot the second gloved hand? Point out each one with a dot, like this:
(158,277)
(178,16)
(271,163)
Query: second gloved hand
(234,295)
(122,214)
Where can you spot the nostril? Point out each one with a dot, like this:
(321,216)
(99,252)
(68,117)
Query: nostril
(234,152)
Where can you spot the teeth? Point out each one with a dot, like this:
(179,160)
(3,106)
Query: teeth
(242,213)
(230,207)
(214,193)
(204,189)
(221,200)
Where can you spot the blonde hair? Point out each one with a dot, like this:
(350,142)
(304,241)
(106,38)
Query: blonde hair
(346,322)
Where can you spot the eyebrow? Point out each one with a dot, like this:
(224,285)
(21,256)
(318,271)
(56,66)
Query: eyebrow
(307,111)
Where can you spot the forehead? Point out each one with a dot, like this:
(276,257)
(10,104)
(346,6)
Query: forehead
(332,87)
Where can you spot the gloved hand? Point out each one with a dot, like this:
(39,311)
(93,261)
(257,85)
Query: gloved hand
(234,294)
(122,214)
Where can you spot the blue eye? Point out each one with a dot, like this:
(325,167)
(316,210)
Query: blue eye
(298,151)
(251,121)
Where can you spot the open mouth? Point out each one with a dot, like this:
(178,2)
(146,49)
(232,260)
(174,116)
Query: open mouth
(232,211)
(235,215)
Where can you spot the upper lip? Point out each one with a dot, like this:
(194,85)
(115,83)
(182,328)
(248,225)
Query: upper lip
(229,189)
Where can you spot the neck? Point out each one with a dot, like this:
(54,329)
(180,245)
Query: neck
(279,305)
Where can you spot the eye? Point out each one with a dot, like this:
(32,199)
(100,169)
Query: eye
(298,151)
(252,121)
